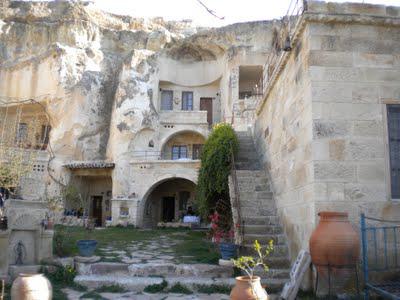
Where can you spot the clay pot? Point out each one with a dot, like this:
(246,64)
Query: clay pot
(243,289)
(31,287)
(334,242)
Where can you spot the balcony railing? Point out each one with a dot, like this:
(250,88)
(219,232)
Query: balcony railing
(149,155)
(282,40)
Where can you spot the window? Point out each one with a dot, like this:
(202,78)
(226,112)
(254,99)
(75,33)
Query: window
(197,149)
(187,100)
(393,115)
(183,200)
(22,133)
(179,152)
(167,100)
(44,136)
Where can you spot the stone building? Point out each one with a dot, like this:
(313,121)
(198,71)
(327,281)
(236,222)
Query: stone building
(129,103)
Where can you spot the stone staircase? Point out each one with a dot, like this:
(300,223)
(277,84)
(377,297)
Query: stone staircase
(136,277)
(258,211)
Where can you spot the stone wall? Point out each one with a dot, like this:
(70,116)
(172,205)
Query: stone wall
(283,137)
(354,71)
(321,129)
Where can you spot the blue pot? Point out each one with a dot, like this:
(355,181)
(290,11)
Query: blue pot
(86,247)
(228,250)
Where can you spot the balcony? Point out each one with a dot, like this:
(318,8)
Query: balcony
(184,117)
(149,155)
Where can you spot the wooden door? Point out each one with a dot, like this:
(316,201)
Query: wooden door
(168,209)
(97,210)
(206,104)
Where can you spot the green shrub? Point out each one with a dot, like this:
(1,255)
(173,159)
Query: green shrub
(213,289)
(180,289)
(111,289)
(64,275)
(92,295)
(216,161)
(156,288)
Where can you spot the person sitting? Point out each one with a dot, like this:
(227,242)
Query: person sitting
(190,211)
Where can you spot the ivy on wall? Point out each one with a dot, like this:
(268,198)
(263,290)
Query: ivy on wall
(216,161)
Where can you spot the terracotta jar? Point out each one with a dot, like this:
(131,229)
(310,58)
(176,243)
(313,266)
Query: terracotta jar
(31,287)
(334,242)
(243,289)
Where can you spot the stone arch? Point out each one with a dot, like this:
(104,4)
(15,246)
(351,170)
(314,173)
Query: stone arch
(165,140)
(143,207)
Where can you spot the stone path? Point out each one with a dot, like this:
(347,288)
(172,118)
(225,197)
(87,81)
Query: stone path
(151,251)
(73,295)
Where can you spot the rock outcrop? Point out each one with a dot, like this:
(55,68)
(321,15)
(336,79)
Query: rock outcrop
(97,73)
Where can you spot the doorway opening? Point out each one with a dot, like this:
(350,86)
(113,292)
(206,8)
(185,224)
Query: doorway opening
(168,209)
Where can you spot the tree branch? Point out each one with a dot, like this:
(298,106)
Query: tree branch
(210,11)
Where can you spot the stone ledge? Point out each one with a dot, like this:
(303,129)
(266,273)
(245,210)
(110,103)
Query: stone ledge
(86,260)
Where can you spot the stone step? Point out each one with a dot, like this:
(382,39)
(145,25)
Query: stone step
(263,239)
(247,166)
(250,173)
(246,158)
(155,269)
(263,229)
(261,220)
(257,206)
(258,212)
(138,284)
(254,191)
(272,273)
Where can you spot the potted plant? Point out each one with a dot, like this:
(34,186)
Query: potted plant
(249,286)
(87,246)
(222,232)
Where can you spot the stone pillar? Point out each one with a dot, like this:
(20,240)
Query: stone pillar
(124,211)
(4,241)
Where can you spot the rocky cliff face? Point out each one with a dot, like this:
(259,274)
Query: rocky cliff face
(90,67)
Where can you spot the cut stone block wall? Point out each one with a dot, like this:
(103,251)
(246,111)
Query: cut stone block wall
(354,71)
(321,130)
(283,136)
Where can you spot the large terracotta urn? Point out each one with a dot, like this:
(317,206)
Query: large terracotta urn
(334,242)
(31,287)
(248,290)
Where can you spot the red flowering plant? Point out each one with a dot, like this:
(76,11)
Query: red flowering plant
(221,223)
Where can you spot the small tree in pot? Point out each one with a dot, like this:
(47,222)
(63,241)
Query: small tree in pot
(249,286)
(86,246)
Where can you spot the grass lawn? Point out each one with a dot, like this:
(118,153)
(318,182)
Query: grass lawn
(187,246)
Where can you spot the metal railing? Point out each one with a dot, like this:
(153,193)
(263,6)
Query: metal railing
(239,226)
(380,254)
(282,40)
(164,155)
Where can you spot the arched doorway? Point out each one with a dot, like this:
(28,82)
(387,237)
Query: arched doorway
(168,201)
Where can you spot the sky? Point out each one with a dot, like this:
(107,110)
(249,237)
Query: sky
(233,11)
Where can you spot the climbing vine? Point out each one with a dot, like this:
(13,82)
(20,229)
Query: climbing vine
(216,161)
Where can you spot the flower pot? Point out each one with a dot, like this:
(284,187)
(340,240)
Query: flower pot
(31,287)
(334,242)
(86,247)
(50,224)
(248,290)
(228,250)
